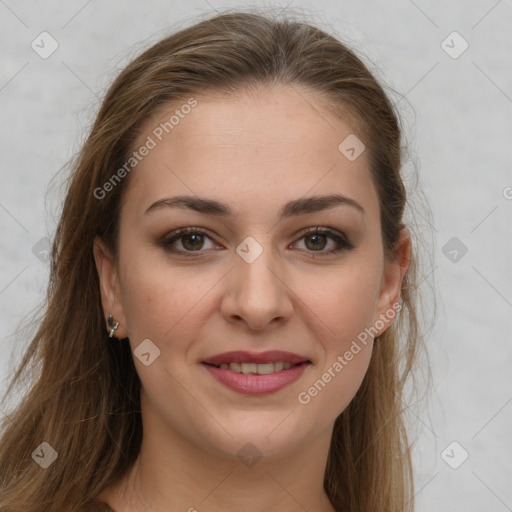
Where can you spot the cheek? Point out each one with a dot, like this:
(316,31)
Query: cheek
(347,349)
(163,303)
(152,305)
(346,305)
(153,296)
(347,302)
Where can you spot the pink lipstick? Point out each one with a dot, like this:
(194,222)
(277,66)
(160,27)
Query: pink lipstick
(256,373)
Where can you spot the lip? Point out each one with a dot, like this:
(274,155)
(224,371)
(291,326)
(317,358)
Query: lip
(242,356)
(257,384)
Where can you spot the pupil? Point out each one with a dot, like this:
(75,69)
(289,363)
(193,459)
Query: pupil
(317,237)
(192,247)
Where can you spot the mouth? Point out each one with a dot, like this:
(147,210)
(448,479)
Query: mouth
(256,373)
(258,368)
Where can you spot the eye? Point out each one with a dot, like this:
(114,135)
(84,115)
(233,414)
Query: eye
(316,240)
(192,240)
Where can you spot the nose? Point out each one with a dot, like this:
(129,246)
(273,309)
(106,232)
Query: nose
(257,292)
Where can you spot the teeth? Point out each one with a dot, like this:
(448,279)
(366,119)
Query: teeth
(235,367)
(262,369)
(258,369)
(248,368)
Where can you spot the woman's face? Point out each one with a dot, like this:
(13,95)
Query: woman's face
(253,280)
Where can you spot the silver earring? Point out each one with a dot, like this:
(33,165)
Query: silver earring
(112,327)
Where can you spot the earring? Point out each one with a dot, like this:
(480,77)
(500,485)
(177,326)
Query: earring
(112,327)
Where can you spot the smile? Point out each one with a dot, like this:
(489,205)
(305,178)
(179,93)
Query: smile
(257,369)
(256,374)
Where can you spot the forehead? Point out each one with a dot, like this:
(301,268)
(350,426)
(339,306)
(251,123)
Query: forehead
(255,147)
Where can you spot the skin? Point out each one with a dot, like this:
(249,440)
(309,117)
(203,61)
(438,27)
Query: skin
(253,151)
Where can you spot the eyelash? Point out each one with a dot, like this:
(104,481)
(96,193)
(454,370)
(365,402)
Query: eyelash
(343,243)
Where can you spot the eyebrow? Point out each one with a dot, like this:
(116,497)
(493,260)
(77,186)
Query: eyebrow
(292,208)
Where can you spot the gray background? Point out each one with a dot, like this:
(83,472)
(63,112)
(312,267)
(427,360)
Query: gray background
(458,122)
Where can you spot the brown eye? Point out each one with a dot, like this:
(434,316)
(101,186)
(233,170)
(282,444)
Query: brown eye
(187,240)
(318,242)
(317,239)
(192,242)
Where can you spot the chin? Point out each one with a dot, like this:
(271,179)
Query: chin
(253,437)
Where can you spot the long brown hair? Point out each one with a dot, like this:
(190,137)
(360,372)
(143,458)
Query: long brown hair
(83,398)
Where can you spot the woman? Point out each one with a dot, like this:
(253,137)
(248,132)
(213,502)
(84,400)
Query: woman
(232,290)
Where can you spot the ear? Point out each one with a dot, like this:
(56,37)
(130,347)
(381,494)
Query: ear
(111,297)
(391,285)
